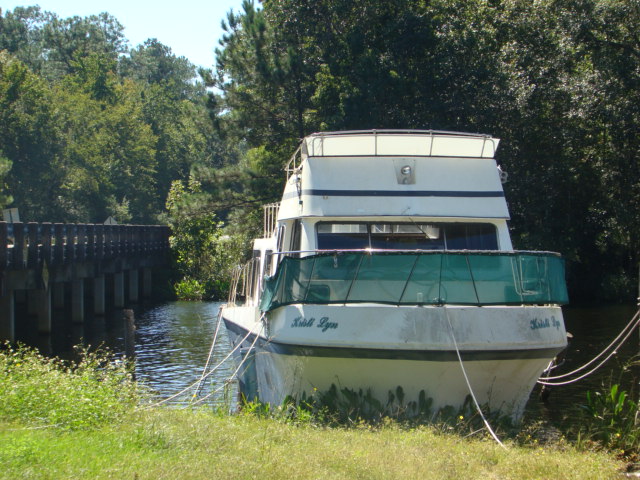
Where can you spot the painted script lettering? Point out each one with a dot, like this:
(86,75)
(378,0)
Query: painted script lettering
(538,323)
(302,322)
(324,324)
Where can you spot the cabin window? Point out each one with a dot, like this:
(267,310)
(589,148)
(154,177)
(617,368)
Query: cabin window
(471,236)
(295,238)
(347,236)
(407,236)
(253,275)
(268,256)
(280,241)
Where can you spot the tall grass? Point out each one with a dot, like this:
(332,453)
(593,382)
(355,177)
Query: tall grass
(171,443)
(91,391)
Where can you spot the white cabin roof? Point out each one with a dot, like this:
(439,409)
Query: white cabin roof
(428,143)
(395,173)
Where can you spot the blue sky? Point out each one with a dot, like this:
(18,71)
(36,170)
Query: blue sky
(191,29)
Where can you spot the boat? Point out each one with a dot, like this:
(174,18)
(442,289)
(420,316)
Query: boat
(387,270)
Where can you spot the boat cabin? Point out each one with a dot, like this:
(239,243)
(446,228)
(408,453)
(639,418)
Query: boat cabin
(385,190)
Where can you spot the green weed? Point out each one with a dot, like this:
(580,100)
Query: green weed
(344,407)
(611,418)
(92,391)
(189,289)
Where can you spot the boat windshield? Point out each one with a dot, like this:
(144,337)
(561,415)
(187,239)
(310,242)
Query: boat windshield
(406,236)
(418,278)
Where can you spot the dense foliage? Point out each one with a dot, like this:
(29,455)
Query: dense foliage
(91,128)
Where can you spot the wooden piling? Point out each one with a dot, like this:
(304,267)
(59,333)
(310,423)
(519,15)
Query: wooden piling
(129,333)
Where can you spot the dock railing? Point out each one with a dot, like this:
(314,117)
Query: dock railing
(27,245)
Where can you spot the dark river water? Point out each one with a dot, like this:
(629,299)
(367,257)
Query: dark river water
(173,340)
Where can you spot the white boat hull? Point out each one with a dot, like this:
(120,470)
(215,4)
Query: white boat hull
(303,349)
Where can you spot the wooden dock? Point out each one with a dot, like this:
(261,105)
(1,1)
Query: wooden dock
(50,263)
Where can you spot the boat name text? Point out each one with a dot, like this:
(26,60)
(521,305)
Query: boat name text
(537,323)
(324,323)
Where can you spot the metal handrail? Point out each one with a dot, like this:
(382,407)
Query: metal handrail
(270,212)
(393,250)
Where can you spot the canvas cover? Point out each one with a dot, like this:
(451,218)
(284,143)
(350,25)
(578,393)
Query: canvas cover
(420,278)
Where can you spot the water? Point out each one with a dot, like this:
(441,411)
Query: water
(172,344)
(592,329)
(173,341)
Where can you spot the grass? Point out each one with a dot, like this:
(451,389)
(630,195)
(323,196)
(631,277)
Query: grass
(85,421)
(170,443)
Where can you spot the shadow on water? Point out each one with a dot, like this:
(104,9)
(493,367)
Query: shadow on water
(173,341)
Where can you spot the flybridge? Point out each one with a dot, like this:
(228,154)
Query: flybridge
(430,143)
(395,172)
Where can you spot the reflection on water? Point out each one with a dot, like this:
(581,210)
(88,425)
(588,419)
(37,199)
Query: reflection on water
(173,343)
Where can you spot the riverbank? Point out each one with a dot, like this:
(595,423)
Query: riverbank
(89,419)
(165,443)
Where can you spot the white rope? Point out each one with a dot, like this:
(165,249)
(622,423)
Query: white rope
(230,379)
(466,379)
(631,325)
(211,350)
(607,358)
(203,377)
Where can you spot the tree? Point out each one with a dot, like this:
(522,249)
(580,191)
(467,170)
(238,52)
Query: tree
(110,162)
(204,256)
(174,105)
(30,140)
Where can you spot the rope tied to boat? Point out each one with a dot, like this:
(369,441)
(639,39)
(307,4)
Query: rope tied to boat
(210,372)
(466,379)
(233,375)
(613,346)
(211,350)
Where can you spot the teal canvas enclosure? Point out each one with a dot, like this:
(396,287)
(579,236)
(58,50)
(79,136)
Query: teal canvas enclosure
(418,278)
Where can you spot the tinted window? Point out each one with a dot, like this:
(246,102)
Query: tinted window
(472,236)
(407,236)
(345,236)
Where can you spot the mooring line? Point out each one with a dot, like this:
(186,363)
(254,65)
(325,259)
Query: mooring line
(631,325)
(244,359)
(607,358)
(466,379)
(210,372)
(211,350)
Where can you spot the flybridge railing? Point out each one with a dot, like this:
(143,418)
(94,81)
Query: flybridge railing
(295,163)
(418,278)
(245,282)
(427,143)
(270,213)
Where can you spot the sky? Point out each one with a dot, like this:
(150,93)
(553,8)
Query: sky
(190,29)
